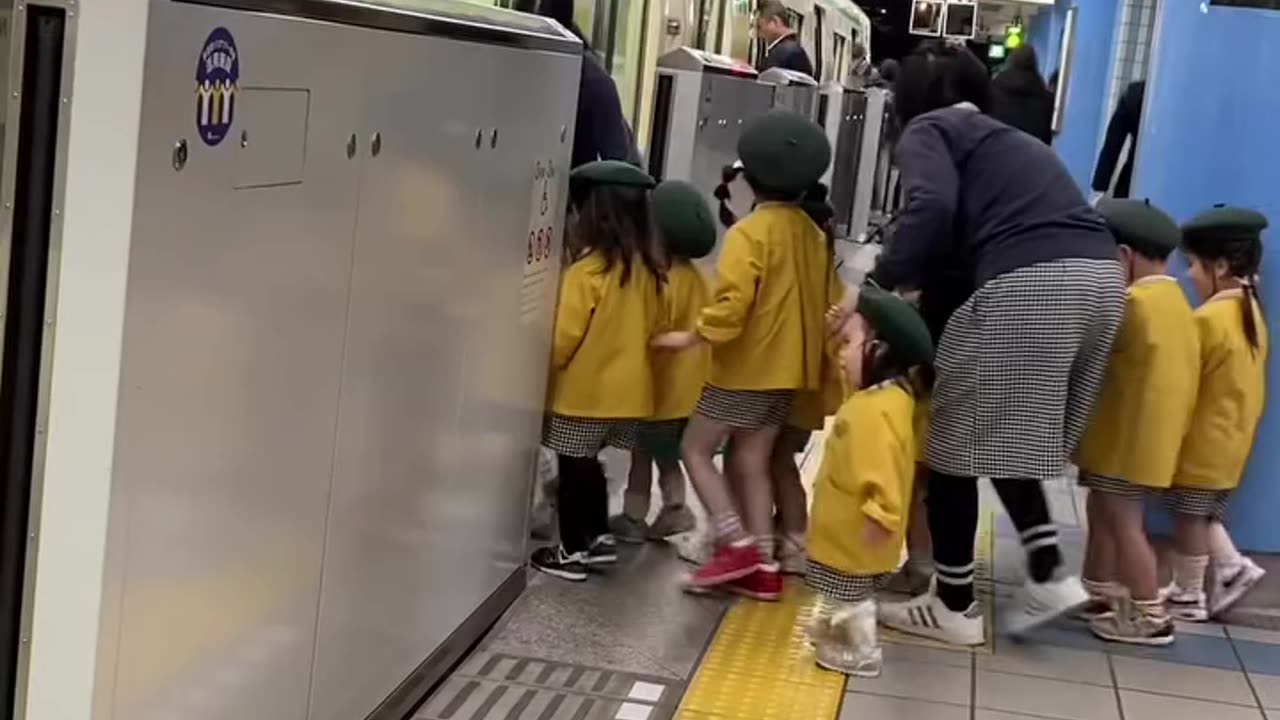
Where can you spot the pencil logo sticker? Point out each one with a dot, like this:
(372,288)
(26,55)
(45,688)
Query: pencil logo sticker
(217,82)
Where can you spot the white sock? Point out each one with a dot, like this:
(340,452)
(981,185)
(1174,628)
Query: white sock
(1225,555)
(1188,572)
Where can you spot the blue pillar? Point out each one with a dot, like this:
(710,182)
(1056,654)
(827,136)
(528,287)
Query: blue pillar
(1209,136)
(1078,143)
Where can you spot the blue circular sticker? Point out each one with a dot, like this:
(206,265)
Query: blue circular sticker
(217,81)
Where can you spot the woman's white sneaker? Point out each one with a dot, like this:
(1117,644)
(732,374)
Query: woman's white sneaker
(925,616)
(1041,603)
(1230,585)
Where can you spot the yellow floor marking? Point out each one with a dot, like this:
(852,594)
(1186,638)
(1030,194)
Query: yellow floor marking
(759,666)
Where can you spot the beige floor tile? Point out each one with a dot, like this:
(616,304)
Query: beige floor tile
(1083,666)
(1045,698)
(1268,689)
(1253,634)
(919,681)
(1188,681)
(895,652)
(1144,706)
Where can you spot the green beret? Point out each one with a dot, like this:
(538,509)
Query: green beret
(611,172)
(784,152)
(897,323)
(684,219)
(1142,226)
(1225,222)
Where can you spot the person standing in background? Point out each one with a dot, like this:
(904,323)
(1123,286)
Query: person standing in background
(783,48)
(1123,126)
(1020,97)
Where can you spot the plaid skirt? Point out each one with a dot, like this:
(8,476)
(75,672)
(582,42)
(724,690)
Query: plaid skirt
(586,437)
(1019,366)
(1115,486)
(746,409)
(842,586)
(1201,503)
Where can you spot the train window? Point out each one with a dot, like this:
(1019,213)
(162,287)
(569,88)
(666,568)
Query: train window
(840,54)
(818,57)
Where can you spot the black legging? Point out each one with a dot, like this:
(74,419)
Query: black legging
(953,522)
(582,502)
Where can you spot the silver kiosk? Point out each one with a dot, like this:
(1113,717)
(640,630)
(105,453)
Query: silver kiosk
(793,91)
(874,179)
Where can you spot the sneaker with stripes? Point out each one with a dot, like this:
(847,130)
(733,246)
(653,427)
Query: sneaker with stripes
(1040,603)
(926,616)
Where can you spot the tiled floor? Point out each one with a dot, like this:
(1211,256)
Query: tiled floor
(635,623)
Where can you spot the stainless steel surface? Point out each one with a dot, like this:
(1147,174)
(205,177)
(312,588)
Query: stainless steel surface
(330,387)
(1066,50)
(872,189)
(846,156)
(477,22)
(687,58)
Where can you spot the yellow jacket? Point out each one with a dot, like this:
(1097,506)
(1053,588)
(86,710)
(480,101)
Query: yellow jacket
(1229,404)
(1149,391)
(679,376)
(600,352)
(867,473)
(775,280)
(810,408)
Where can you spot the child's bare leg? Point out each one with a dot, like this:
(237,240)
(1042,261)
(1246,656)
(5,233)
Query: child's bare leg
(635,501)
(1188,601)
(1099,555)
(671,484)
(788,488)
(751,450)
(919,542)
(1136,561)
(702,438)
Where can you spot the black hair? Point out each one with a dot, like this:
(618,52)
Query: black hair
(559,10)
(617,222)
(731,172)
(1024,59)
(774,9)
(938,75)
(1148,250)
(881,364)
(889,70)
(1242,253)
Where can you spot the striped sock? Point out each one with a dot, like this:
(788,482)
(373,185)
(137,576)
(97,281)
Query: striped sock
(1104,590)
(764,543)
(727,528)
(1043,557)
(955,586)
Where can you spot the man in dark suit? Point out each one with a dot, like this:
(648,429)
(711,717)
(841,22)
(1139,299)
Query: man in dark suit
(782,47)
(1123,126)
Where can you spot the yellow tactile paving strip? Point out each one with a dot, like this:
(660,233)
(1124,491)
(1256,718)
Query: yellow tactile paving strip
(759,666)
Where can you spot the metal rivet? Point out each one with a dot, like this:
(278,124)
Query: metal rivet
(375,145)
(493,139)
(179,154)
(244,138)
(479,138)
(352,145)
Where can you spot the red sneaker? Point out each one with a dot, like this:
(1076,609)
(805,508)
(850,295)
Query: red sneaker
(763,584)
(729,563)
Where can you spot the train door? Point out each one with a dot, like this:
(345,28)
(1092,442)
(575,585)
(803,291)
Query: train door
(32,39)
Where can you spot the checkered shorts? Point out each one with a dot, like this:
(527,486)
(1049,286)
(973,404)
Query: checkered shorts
(746,409)
(1201,503)
(1019,367)
(1114,486)
(841,586)
(585,437)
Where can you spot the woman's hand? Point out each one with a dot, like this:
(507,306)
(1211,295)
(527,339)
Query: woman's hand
(678,340)
(838,314)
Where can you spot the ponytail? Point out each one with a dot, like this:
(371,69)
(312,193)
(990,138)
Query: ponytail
(727,176)
(1248,297)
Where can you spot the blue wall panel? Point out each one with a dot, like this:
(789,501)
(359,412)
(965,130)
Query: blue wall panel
(1210,135)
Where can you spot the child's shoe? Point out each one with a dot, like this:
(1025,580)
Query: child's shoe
(553,560)
(1129,624)
(849,644)
(1186,605)
(792,557)
(672,520)
(728,563)
(628,530)
(1231,584)
(603,551)
(694,549)
(764,584)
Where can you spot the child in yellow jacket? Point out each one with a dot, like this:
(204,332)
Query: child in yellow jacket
(1130,446)
(1224,247)
(601,383)
(766,331)
(688,232)
(862,495)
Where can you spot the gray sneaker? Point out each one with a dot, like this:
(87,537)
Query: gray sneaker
(672,520)
(628,530)
(1131,626)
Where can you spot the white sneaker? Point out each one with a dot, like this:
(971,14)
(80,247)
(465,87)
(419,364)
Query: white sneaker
(1185,605)
(1040,603)
(925,616)
(1229,588)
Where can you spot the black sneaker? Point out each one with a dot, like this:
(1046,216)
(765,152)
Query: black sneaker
(553,560)
(603,551)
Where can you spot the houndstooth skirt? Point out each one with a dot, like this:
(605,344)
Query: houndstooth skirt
(1200,503)
(1019,367)
(586,437)
(1114,486)
(842,586)
(746,409)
